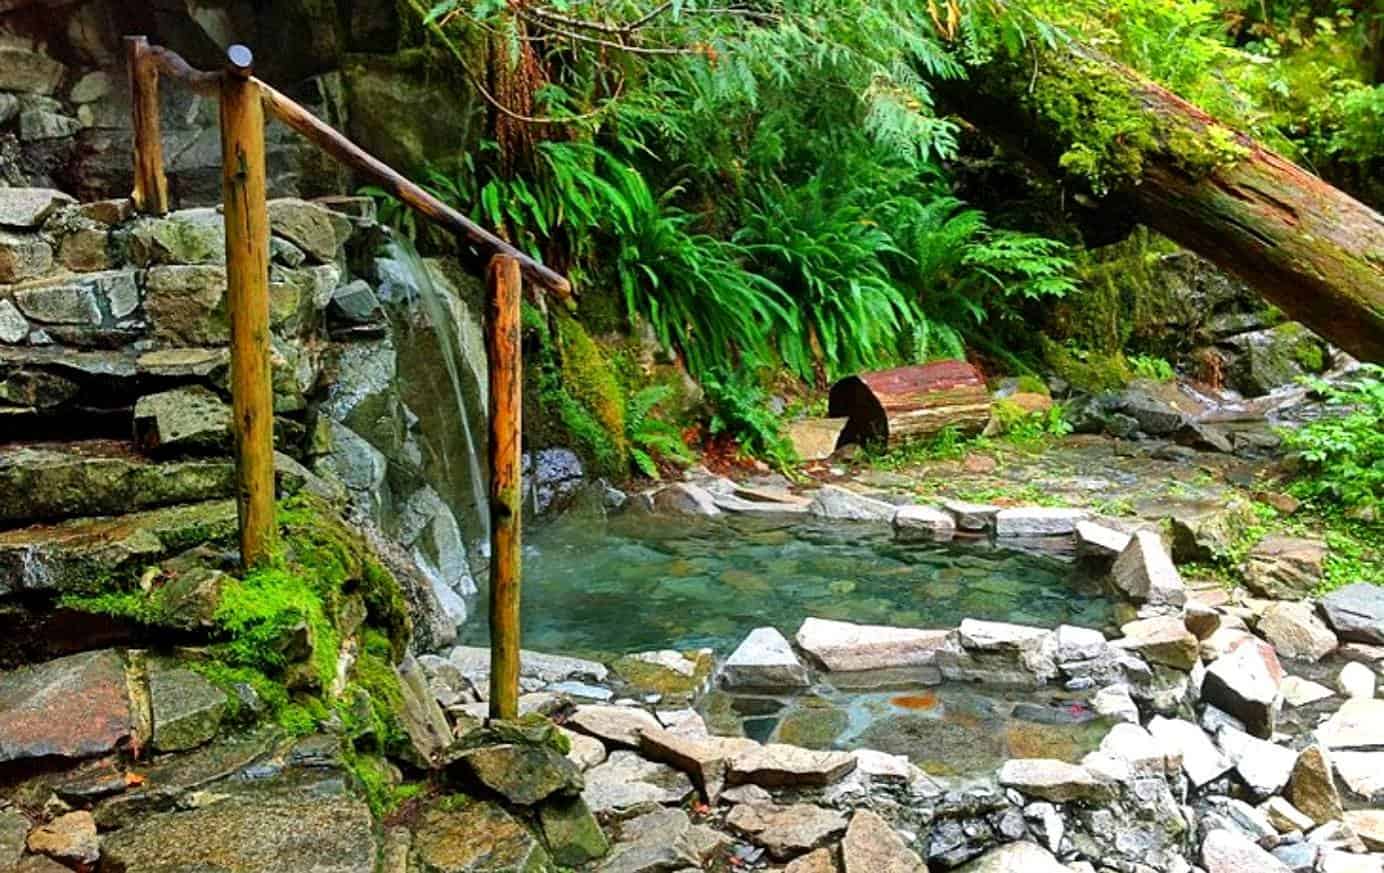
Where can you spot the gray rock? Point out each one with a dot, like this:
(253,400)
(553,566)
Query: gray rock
(189,236)
(618,726)
(1356,612)
(1208,531)
(842,504)
(1285,568)
(684,498)
(1293,629)
(1247,683)
(1267,359)
(1114,702)
(29,208)
(704,758)
(23,256)
(972,517)
(1297,857)
(1020,857)
(1225,851)
(843,646)
(573,836)
(1145,755)
(1356,680)
(29,72)
(1038,521)
(1162,639)
(187,709)
(1098,541)
(1200,759)
(1144,573)
(662,840)
(776,765)
(1264,766)
(872,846)
(1358,725)
(355,303)
(923,523)
(13,326)
(787,831)
(36,125)
(764,661)
(1362,773)
(523,774)
(476,837)
(1285,817)
(1055,781)
(317,231)
(72,707)
(626,784)
(190,419)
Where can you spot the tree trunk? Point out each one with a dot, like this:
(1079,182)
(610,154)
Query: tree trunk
(1310,249)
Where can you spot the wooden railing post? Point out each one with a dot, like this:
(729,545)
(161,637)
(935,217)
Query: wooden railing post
(506,367)
(151,185)
(247,281)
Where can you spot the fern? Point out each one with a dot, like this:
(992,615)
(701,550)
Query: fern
(652,439)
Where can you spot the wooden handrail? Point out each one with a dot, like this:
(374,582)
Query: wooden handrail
(169,63)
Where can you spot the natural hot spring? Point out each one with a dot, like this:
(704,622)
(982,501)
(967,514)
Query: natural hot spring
(633,583)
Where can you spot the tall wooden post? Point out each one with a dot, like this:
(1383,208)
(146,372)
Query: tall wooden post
(151,185)
(247,280)
(506,366)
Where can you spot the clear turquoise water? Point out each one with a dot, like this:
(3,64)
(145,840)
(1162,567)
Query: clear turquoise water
(596,587)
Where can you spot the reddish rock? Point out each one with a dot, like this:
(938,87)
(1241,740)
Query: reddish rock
(73,707)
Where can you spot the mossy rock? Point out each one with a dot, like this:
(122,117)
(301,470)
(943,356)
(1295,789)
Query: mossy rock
(1092,371)
(676,675)
(814,724)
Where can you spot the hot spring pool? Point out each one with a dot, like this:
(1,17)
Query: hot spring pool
(597,588)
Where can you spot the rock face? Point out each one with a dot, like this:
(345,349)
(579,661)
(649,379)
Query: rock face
(1356,613)
(764,661)
(872,846)
(73,707)
(843,646)
(1285,568)
(1247,683)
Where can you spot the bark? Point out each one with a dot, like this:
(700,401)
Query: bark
(1310,249)
(893,406)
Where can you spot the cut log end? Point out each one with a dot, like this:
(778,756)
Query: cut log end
(891,407)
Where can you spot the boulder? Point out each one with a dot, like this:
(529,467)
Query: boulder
(1225,851)
(776,765)
(72,707)
(1312,787)
(1020,857)
(1356,613)
(572,834)
(317,231)
(617,726)
(764,661)
(626,784)
(1263,360)
(814,439)
(1362,773)
(684,498)
(972,517)
(187,709)
(1265,767)
(1247,682)
(1163,639)
(663,840)
(923,523)
(523,774)
(1356,680)
(1053,780)
(1037,521)
(1098,541)
(1145,573)
(1358,725)
(1184,741)
(872,846)
(23,256)
(474,838)
(29,208)
(70,838)
(1285,568)
(1295,631)
(787,831)
(190,419)
(843,646)
(842,504)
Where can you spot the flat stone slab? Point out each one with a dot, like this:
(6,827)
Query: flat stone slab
(626,784)
(618,726)
(474,664)
(289,831)
(1264,766)
(872,846)
(972,517)
(1038,521)
(1356,613)
(187,709)
(787,831)
(73,707)
(923,523)
(704,758)
(844,646)
(1189,744)
(1162,639)
(26,208)
(1098,541)
(842,504)
(764,661)
(1357,726)
(1362,773)
(778,765)
(1056,781)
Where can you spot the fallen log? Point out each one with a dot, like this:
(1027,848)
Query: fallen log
(1114,135)
(892,406)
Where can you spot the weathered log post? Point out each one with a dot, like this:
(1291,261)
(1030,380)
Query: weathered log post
(247,282)
(506,365)
(150,184)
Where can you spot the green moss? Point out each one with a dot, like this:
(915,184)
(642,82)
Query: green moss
(274,698)
(1088,370)
(1030,384)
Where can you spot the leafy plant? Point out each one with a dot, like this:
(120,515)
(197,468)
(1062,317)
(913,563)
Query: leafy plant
(741,410)
(1151,367)
(650,438)
(1344,453)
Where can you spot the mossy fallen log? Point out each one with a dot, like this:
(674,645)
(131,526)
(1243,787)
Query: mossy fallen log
(1112,134)
(893,406)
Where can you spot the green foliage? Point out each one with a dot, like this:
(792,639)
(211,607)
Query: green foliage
(652,439)
(590,436)
(1086,369)
(741,410)
(1027,428)
(1152,367)
(1344,453)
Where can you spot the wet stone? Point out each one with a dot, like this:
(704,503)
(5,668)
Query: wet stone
(73,707)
